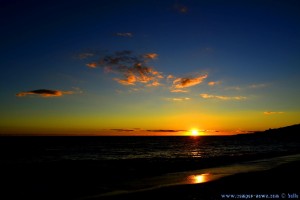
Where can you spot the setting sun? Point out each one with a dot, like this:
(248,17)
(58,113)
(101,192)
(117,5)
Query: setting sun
(195,132)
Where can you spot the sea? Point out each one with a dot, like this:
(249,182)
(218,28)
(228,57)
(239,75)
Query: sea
(98,167)
(52,149)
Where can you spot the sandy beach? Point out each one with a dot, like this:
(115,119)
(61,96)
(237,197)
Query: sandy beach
(84,180)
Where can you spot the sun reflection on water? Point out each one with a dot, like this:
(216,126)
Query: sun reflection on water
(199,178)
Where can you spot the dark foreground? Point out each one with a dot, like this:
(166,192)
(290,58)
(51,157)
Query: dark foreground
(281,182)
(65,168)
(75,180)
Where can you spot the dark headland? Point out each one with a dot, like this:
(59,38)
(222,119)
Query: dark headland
(83,179)
(288,132)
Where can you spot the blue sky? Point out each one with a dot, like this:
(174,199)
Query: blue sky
(220,65)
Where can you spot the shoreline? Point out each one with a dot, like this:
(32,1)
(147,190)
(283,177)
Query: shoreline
(87,180)
(279,182)
(204,176)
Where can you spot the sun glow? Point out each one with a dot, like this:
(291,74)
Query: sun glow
(194,132)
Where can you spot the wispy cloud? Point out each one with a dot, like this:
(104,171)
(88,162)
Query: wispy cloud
(180,8)
(272,112)
(188,82)
(209,96)
(178,99)
(179,91)
(44,93)
(154,84)
(170,76)
(125,34)
(92,65)
(207,50)
(238,88)
(129,80)
(151,55)
(132,68)
(213,83)
(254,86)
(85,55)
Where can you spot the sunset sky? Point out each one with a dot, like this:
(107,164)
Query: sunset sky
(147,67)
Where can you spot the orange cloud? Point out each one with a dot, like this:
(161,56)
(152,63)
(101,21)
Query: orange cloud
(92,65)
(44,93)
(272,112)
(141,75)
(130,80)
(155,84)
(209,96)
(132,68)
(188,82)
(170,76)
(213,83)
(151,55)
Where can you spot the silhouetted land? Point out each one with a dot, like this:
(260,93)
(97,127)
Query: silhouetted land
(288,132)
(76,179)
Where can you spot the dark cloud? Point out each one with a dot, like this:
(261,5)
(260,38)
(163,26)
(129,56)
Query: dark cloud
(44,93)
(126,34)
(164,130)
(180,8)
(122,130)
(188,82)
(85,55)
(131,68)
